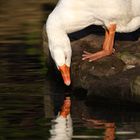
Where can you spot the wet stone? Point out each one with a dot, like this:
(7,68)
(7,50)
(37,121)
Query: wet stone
(135,87)
(109,77)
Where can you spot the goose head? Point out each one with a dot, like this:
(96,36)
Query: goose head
(62,60)
(59,46)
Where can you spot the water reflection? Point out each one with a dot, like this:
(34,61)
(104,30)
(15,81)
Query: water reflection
(62,128)
(85,123)
(109,127)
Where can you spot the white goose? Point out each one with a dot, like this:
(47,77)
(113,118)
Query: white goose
(73,15)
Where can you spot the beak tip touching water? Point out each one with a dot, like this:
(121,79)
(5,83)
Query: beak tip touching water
(67,83)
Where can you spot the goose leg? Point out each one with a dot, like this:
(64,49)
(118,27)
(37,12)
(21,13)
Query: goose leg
(107,46)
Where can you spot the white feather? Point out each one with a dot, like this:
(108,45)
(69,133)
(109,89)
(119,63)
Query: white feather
(73,15)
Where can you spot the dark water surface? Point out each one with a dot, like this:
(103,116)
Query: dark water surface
(29,102)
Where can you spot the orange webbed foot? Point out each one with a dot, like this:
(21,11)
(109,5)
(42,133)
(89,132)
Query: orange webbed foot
(95,56)
(107,46)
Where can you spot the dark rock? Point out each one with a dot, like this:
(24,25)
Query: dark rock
(109,78)
(118,87)
(135,88)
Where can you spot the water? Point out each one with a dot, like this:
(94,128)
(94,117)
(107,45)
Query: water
(23,117)
(28,104)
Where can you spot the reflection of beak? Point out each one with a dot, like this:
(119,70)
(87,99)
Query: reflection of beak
(65,72)
(65,111)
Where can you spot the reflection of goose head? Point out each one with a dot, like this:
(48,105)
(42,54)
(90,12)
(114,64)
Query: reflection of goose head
(62,128)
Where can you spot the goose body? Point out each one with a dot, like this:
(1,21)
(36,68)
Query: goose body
(76,15)
(73,15)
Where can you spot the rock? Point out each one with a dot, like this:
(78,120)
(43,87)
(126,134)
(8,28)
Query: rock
(135,88)
(108,78)
(130,59)
(117,88)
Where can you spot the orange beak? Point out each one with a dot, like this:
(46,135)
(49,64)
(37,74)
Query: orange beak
(65,72)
